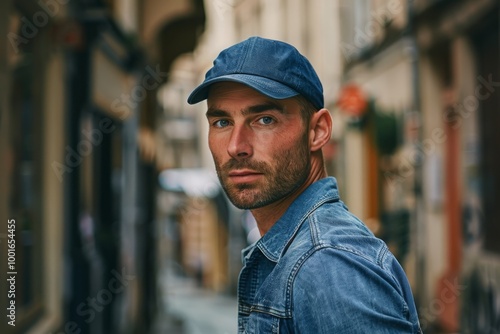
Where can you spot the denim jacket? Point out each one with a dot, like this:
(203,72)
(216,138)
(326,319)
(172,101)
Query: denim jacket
(320,270)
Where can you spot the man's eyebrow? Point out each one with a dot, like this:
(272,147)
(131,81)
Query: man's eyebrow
(214,112)
(258,108)
(255,109)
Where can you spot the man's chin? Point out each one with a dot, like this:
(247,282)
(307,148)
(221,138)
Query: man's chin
(244,205)
(244,197)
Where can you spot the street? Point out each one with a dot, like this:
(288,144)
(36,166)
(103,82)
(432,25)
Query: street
(195,310)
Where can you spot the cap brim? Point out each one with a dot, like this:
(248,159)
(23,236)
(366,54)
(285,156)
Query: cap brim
(268,87)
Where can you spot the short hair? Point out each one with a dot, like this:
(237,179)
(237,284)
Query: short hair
(307,109)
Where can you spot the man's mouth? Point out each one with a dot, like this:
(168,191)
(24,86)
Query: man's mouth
(244,175)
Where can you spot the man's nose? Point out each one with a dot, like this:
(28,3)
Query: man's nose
(240,142)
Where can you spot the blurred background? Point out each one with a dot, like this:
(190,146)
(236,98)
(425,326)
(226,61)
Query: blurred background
(120,223)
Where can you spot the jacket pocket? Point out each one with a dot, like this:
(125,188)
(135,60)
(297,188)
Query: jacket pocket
(262,323)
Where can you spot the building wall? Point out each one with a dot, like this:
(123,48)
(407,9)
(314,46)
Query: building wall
(152,15)
(50,112)
(5,10)
(54,194)
(387,79)
(32,137)
(434,139)
(435,227)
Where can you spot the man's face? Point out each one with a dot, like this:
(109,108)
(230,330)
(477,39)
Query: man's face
(260,145)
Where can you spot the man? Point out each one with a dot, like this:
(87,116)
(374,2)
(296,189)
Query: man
(317,268)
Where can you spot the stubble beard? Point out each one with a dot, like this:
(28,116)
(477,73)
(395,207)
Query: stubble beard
(289,173)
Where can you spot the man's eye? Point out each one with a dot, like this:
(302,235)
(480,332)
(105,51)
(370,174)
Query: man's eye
(222,123)
(266,120)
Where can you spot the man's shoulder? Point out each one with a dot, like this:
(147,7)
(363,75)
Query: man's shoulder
(327,234)
(330,247)
(332,226)
(331,244)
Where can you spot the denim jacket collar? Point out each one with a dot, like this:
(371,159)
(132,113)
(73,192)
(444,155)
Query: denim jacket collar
(282,232)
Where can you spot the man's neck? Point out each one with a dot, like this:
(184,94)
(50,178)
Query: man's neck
(267,216)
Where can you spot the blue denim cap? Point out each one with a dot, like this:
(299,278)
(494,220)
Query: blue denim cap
(273,68)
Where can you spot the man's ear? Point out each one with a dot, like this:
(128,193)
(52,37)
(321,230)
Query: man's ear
(320,129)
